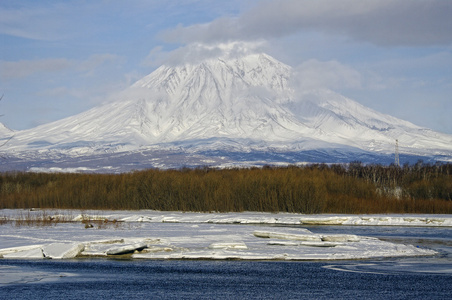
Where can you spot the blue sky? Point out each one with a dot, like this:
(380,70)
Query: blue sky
(59,58)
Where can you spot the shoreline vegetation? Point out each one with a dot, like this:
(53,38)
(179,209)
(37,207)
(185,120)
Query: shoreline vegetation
(313,189)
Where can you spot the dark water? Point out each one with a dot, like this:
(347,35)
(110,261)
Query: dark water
(404,278)
(108,279)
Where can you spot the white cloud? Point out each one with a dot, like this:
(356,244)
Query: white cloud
(33,22)
(196,52)
(95,61)
(429,70)
(24,68)
(59,91)
(329,74)
(384,22)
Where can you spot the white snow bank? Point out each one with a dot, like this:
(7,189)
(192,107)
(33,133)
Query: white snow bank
(281,219)
(150,216)
(61,170)
(379,220)
(149,235)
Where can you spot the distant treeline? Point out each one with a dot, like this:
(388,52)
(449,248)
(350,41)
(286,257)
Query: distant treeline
(352,188)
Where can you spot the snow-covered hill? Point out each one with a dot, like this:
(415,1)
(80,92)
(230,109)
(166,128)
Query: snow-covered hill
(223,111)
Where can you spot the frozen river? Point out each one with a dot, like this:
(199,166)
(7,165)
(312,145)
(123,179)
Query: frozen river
(200,257)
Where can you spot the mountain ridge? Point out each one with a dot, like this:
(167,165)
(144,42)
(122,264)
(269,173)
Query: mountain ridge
(239,105)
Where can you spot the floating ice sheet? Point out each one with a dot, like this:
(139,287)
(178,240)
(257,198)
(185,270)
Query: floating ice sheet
(177,235)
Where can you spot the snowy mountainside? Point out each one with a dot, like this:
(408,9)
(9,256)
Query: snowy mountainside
(218,98)
(346,121)
(223,112)
(5,132)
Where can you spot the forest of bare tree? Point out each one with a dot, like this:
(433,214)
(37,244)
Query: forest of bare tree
(351,188)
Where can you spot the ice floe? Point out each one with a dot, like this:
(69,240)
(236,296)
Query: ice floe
(53,250)
(177,235)
(287,236)
(231,245)
(127,248)
(62,250)
(35,252)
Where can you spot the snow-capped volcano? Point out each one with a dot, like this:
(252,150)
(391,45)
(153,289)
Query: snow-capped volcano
(226,105)
(236,99)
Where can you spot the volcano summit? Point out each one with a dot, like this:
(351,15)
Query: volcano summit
(221,112)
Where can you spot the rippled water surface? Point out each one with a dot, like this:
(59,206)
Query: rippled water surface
(420,278)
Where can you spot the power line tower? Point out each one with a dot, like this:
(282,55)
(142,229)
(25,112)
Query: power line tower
(397,161)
